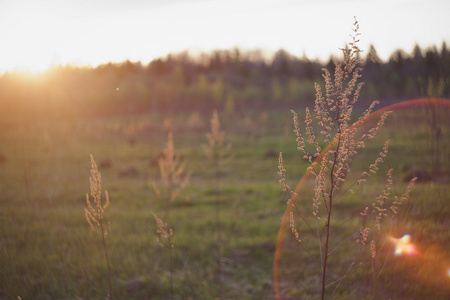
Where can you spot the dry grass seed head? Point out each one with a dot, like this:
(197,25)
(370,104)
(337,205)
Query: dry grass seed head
(281,173)
(320,185)
(365,235)
(163,231)
(172,171)
(404,197)
(299,137)
(337,96)
(380,202)
(310,132)
(215,150)
(373,168)
(322,113)
(95,215)
(292,225)
(168,161)
(372,132)
(217,136)
(373,249)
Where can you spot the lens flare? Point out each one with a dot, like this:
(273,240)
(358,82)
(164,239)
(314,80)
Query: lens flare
(403,246)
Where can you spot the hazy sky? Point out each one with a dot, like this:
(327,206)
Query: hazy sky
(37,33)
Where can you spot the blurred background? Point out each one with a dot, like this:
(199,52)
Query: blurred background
(83,58)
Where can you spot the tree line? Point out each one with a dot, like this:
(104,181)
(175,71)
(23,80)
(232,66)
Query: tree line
(230,80)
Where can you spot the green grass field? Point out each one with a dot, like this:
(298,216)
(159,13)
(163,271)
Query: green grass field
(48,251)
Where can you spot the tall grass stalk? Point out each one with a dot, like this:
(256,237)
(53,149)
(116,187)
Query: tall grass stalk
(165,232)
(95,215)
(333,113)
(218,154)
(173,175)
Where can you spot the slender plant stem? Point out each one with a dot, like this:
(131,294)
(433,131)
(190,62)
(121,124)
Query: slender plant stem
(324,266)
(327,224)
(170,268)
(169,199)
(374,287)
(107,260)
(218,222)
(320,242)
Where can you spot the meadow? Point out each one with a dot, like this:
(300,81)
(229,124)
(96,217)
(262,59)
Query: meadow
(225,225)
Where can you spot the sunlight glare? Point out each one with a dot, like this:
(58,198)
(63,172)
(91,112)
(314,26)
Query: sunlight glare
(29,41)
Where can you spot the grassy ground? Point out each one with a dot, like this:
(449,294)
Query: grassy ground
(49,252)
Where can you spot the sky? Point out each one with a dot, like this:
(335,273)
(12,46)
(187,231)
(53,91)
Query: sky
(35,34)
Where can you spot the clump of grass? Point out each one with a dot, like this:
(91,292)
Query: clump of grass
(95,215)
(173,176)
(165,233)
(333,112)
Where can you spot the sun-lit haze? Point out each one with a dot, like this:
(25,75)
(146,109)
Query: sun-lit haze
(35,34)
